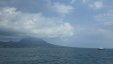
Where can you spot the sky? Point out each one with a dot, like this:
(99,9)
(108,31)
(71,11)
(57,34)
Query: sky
(73,23)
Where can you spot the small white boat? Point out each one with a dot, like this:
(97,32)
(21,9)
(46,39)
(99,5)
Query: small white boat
(100,48)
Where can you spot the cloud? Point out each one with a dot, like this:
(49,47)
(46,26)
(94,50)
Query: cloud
(106,32)
(94,4)
(105,18)
(72,1)
(47,7)
(84,1)
(27,5)
(62,8)
(33,24)
(97,5)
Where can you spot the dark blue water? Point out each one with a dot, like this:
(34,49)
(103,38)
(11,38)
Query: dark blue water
(55,56)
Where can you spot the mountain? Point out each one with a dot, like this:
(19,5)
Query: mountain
(27,42)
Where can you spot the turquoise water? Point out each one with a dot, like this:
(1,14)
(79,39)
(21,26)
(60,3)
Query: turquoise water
(55,56)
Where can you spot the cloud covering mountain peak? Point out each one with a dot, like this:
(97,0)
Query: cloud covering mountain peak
(33,24)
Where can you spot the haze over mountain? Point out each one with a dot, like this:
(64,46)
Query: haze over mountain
(27,42)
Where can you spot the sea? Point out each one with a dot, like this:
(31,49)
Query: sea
(61,55)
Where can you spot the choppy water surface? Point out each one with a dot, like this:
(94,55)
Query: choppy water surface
(55,56)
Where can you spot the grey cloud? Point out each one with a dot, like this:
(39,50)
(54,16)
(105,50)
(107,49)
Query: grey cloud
(27,5)
(15,22)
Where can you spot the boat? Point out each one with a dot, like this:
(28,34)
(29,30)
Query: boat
(100,49)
